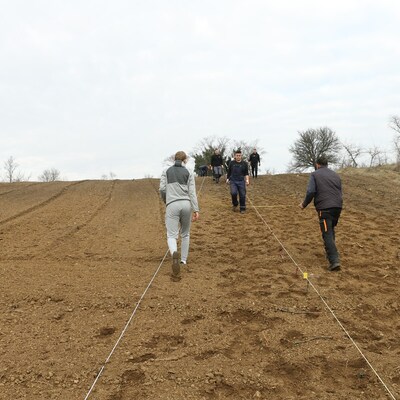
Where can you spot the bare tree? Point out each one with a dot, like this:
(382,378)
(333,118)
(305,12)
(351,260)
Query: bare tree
(394,123)
(205,149)
(396,144)
(377,156)
(111,176)
(10,166)
(210,143)
(312,144)
(50,175)
(20,177)
(353,152)
(247,148)
(169,161)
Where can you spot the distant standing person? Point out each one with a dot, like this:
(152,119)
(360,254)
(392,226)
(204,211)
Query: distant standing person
(227,162)
(325,187)
(238,178)
(255,162)
(216,164)
(178,191)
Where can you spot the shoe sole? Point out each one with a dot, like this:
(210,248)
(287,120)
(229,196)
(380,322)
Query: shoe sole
(176,268)
(334,267)
(175,278)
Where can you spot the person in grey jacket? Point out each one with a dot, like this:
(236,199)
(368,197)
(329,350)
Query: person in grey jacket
(325,187)
(178,191)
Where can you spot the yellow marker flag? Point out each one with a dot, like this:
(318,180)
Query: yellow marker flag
(305,275)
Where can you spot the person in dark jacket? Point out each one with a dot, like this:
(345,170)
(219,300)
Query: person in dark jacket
(203,170)
(255,162)
(238,178)
(325,187)
(216,164)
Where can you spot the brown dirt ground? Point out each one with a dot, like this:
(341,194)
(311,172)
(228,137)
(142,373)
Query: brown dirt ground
(75,258)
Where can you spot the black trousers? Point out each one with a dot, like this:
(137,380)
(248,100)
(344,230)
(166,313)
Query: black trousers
(254,170)
(328,219)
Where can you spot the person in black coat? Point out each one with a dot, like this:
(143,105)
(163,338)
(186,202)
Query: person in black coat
(216,164)
(255,162)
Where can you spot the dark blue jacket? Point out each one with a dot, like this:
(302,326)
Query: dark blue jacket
(237,171)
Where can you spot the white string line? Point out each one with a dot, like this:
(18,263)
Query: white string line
(201,187)
(277,206)
(325,303)
(126,326)
(130,318)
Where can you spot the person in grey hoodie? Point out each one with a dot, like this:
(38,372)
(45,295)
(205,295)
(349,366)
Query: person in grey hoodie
(325,187)
(178,191)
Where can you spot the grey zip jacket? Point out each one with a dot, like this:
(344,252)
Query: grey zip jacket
(325,187)
(176,184)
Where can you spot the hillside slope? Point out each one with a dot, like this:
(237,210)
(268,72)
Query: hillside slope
(75,258)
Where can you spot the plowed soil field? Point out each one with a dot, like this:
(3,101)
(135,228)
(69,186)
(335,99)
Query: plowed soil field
(88,308)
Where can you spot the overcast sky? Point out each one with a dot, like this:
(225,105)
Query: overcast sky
(90,87)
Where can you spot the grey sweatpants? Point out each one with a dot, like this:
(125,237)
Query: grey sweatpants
(178,215)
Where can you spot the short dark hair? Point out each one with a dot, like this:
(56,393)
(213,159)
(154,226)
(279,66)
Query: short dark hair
(322,160)
(238,151)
